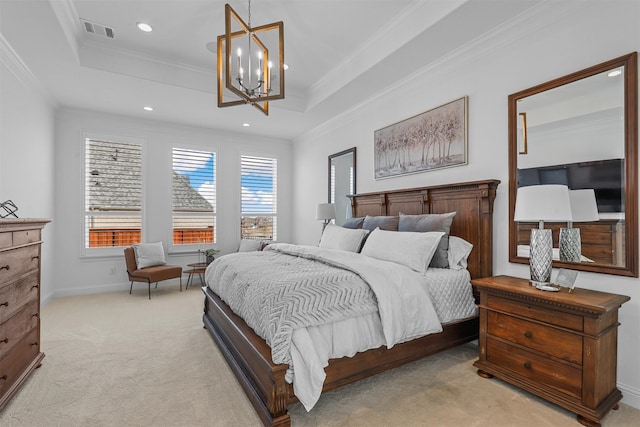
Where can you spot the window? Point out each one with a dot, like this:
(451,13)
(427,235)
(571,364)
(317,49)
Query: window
(194,197)
(112,193)
(259,198)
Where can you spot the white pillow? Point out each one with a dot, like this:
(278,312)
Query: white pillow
(459,250)
(346,239)
(250,245)
(149,254)
(411,249)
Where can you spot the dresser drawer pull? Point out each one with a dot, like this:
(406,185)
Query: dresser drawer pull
(5,267)
(6,304)
(34,343)
(35,257)
(527,365)
(6,340)
(35,315)
(4,377)
(527,334)
(34,286)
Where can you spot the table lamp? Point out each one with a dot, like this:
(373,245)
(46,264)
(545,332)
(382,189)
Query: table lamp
(540,203)
(583,209)
(325,212)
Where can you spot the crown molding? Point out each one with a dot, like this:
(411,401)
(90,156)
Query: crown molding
(10,59)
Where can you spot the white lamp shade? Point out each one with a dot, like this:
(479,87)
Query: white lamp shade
(543,203)
(583,205)
(325,211)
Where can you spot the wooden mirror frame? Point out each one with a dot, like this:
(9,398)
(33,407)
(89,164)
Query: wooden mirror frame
(351,151)
(630,63)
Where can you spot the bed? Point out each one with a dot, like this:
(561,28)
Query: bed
(250,358)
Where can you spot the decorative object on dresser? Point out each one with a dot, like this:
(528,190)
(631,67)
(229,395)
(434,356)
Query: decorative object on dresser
(8,208)
(540,203)
(20,354)
(250,357)
(560,346)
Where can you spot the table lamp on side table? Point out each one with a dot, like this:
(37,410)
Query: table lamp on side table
(540,203)
(325,212)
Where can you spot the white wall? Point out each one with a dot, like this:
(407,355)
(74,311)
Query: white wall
(76,274)
(553,41)
(26,150)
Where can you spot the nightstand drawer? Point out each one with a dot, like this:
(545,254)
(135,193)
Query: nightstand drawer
(561,344)
(556,375)
(558,318)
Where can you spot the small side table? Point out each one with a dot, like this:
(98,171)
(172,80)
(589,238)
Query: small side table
(196,268)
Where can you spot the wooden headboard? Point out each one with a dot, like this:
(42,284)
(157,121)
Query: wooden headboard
(472,202)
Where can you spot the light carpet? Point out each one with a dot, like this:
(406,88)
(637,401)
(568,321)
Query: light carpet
(122,360)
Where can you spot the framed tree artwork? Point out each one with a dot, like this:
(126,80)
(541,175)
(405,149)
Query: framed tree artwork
(431,140)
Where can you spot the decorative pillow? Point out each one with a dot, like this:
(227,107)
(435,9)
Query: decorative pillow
(413,250)
(389,223)
(431,222)
(346,239)
(250,245)
(149,254)
(353,222)
(459,250)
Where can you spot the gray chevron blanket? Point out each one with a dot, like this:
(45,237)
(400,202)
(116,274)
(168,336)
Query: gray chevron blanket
(288,286)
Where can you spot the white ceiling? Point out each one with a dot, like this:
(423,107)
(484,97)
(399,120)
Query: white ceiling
(340,53)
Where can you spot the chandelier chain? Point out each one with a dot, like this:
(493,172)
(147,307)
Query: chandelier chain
(249,20)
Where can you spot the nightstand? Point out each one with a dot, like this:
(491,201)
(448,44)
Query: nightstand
(559,346)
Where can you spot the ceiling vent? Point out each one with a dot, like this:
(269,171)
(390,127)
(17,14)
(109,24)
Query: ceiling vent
(97,29)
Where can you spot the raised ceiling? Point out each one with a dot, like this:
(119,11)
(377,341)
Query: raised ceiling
(340,53)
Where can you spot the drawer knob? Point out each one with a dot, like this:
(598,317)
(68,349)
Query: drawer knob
(5,267)
(4,377)
(34,257)
(527,334)
(34,286)
(527,365)
(34,315)
(6,304)
(6,340)
(34,343)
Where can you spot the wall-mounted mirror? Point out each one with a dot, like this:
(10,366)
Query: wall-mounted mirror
(580,130)
(342,182)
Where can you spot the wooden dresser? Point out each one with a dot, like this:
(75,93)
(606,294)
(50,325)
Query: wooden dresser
(20,241)
(560,346)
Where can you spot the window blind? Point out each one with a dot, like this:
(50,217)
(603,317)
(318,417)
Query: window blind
(258,198)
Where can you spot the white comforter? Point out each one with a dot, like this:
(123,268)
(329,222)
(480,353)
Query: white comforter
(405,311)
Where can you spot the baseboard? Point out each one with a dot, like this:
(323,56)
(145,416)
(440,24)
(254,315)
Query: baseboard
(630,395)
(101,289)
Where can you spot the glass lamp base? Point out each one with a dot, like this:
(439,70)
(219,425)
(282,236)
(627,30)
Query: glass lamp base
(540,255)
(570,245)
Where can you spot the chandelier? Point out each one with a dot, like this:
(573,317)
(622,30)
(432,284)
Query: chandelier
(250,62)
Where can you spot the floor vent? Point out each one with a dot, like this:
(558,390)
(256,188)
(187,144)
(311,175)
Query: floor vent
(97,29)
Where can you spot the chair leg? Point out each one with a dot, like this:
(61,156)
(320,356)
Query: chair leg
(131,287)
(150,289)
(180,283)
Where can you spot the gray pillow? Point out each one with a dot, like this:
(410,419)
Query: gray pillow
(353,222)
(389,223)
(431,222)
(250,245)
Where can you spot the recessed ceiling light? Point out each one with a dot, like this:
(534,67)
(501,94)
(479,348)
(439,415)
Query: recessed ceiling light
(614,73)
(246,125)
(147,108)
(144,27)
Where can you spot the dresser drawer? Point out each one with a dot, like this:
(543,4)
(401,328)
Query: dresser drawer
(561,344)
(20,357)
(26,236)
(14,329)
(541,370)
(6,240)
(16,262)
(14,296)
(558,318)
